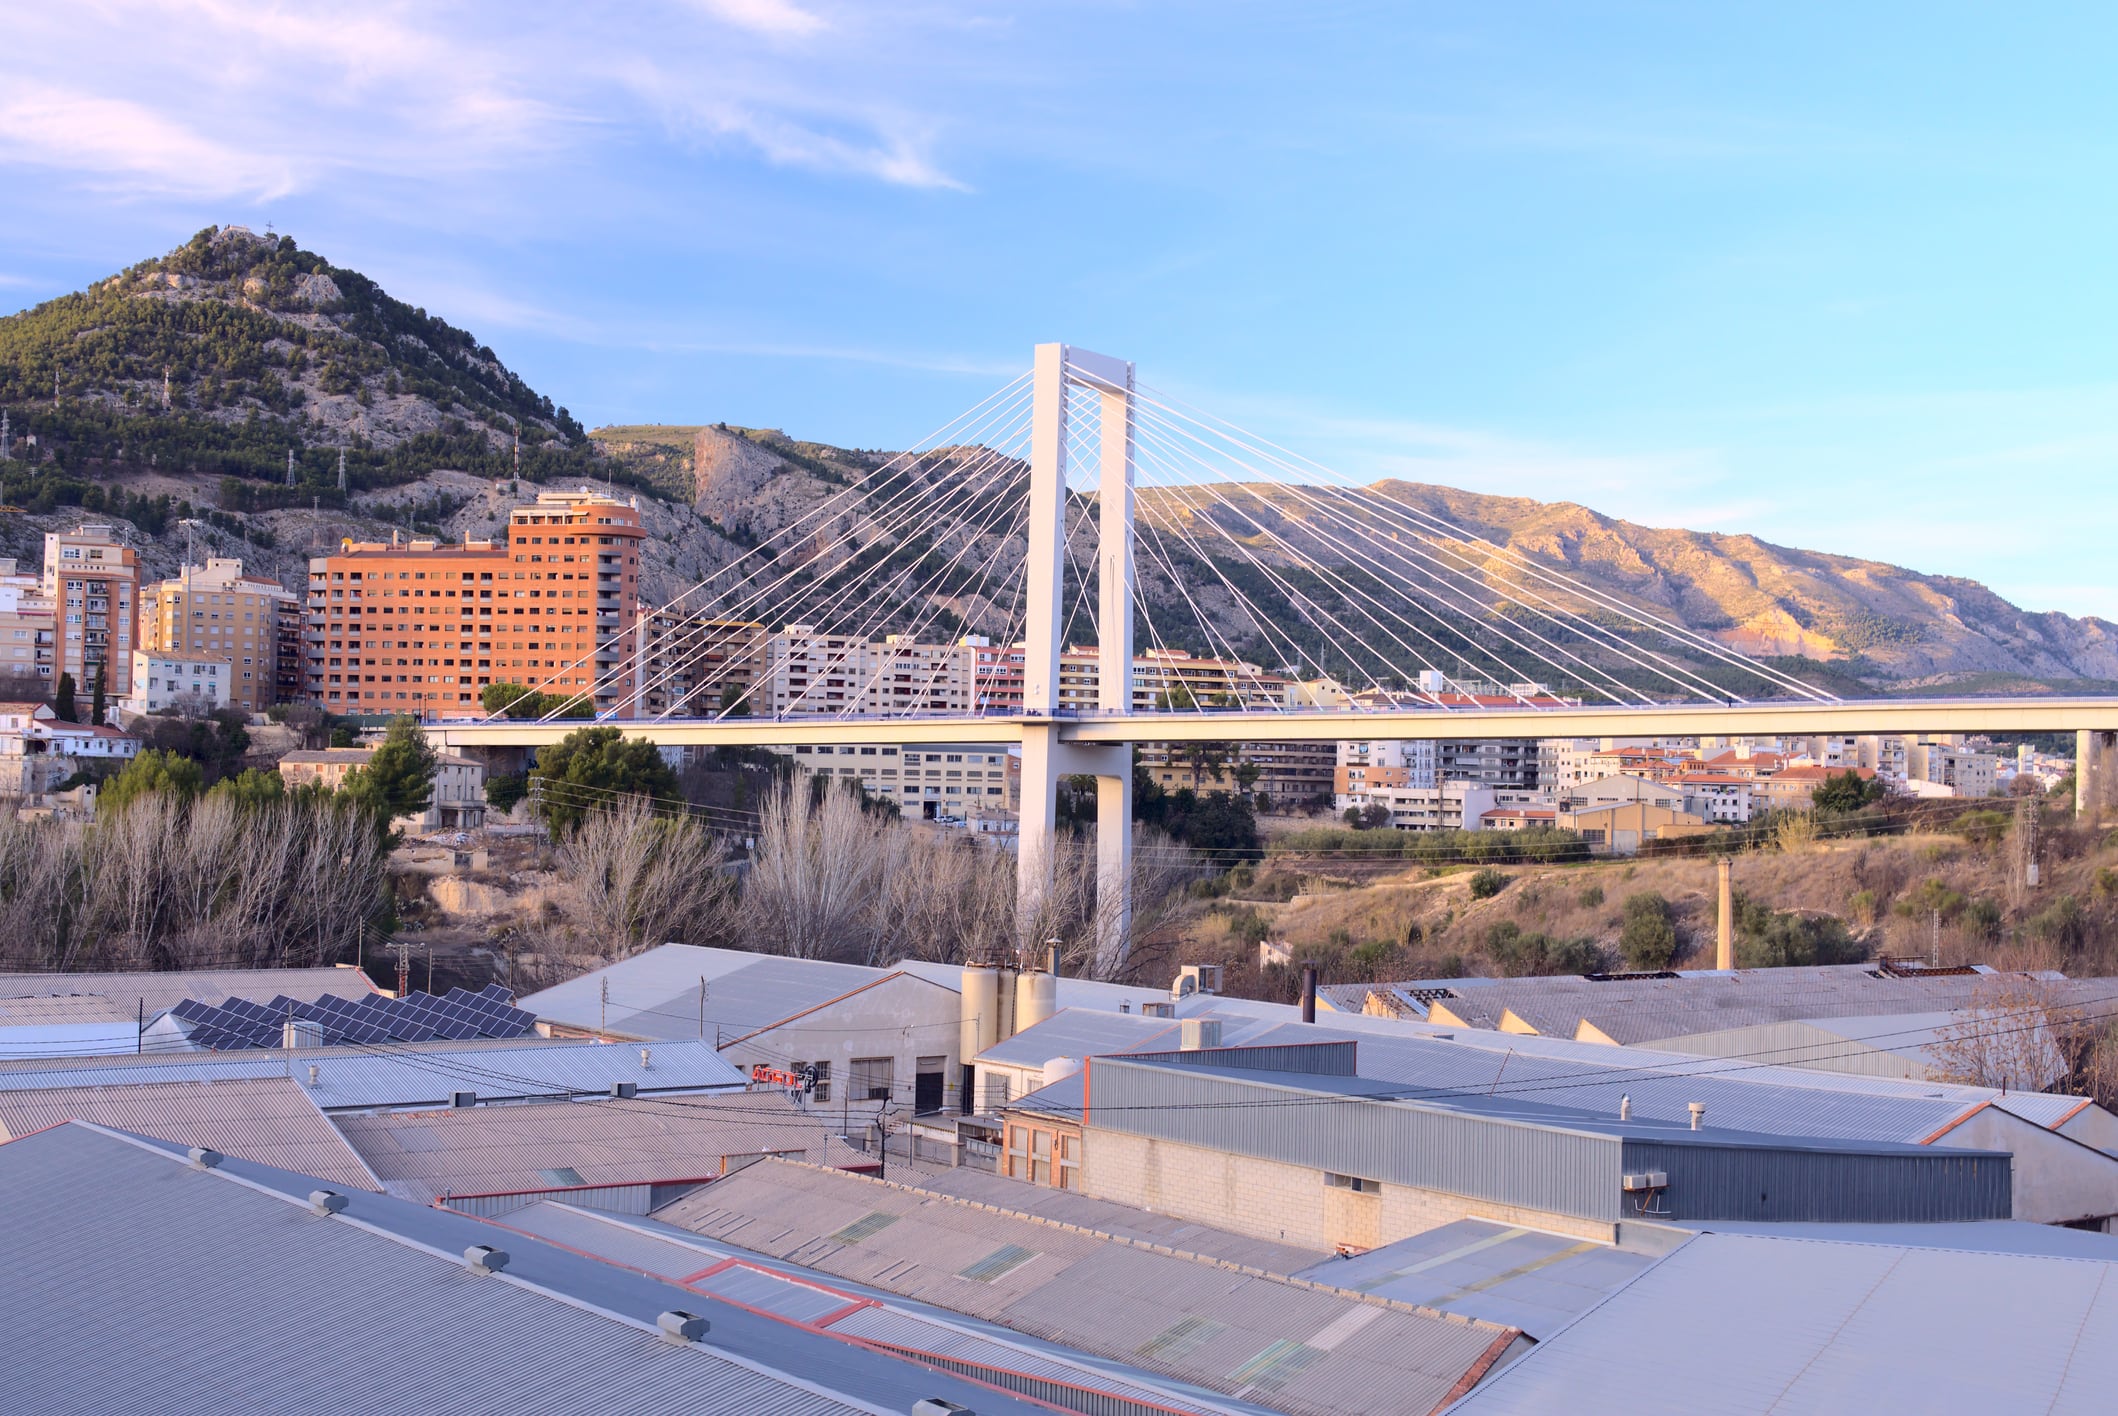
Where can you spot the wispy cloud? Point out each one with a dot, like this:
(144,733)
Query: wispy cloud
(226,99)
(129,147)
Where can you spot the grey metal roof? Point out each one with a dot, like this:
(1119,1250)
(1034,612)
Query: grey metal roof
(482,1150)
(1779,1100)
(1109,1217)
(655,995)
(19,1012)
(132,993)
(270,1120)
(410,1074)
(875,1314)
(230,1291)
(1993,1236)
(1645,1010)
(1734,1324)
(1530,1154)
(1294,1347)
(1526,1278)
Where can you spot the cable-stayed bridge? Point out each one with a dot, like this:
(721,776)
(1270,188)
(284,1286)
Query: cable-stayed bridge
(1099,524)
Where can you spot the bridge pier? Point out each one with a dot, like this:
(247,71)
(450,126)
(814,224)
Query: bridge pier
(1045,759)
(2095,773)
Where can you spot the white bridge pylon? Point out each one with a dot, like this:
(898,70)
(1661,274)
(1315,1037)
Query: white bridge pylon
(1058,369)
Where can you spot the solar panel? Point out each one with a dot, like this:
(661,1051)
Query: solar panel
(495,992)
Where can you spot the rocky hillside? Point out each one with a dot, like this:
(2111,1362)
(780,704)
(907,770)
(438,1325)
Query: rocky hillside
(229,352)
(176,389)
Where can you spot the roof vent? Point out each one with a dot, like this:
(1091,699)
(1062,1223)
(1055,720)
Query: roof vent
(1625,1107)
(1698,1114)
(326,1202)
(1198,1034)
(1158,1010)
(203,1159)
(482,1258)
(940,1406)
(463,1098)
(680,1326)
(314,1070)
(625,1090)
(647,1060)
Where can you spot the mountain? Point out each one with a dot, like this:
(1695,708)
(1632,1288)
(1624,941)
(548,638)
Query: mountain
(232,350)
(184,382)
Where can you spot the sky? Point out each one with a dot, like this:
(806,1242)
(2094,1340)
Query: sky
(1831,275)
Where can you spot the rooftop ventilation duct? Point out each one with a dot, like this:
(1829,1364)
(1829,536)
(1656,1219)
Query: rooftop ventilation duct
(625,1090)
(301,1032)
(1625,1108)
(647,1060)
(680,1326)
(460,1099)
(940,1406)
(1698,1114)
(326,1202)
(204,1159)
(482,1258)
(314,1071)
(1198,1034)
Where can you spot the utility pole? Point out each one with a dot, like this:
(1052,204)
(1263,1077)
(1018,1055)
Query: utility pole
(404,966)
(7,450)
(165,387)
(702,1007)
(603,1018)
(290,466)
(341,467)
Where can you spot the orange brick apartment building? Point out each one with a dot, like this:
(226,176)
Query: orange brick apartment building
(422,627)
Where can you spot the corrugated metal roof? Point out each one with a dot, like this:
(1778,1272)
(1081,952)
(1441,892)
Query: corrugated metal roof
(655,994)
(502,1149)
(1993,1236)
(266,1119)
(1245,1334)
(410,1074)
(274,1309)
(1108,1217)
(131,993)
(863,1311)
(1526,1278)
(1661,1086)
(1742,1324)
(1645,1010)
(1080,1032)
(74,1008)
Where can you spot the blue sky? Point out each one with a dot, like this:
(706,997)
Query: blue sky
(1832,275)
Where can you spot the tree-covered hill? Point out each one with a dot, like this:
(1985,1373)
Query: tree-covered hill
(233,350)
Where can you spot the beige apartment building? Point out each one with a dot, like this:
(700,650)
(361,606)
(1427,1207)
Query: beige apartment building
(458,801)
(93,581)
(215,610)
(26,625)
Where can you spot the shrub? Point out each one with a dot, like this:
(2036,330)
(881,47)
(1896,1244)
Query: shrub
(1982,918)
(1590,898)
(1518,954)
(1864,907)
(1648,939)
(1769,939)
(1932,897)
(1487,883)
(1980,827)
(2058,923)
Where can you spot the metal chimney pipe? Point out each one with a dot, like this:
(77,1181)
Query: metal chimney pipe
(1309,977)
(1698,1114)
(1051,951)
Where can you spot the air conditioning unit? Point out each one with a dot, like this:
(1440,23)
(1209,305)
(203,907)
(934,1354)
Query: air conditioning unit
(1646,1180)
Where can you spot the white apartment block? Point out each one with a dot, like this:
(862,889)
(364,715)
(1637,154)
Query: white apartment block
(162,680)
(927,780)
(838,675)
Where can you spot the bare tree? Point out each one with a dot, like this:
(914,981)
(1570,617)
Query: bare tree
(635,880)
(815,877)
(2019,1035)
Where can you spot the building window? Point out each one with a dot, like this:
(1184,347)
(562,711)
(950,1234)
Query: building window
(873,1078)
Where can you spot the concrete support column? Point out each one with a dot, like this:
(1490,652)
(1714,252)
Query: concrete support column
(1037,831)
(2095,762)
(1114,869)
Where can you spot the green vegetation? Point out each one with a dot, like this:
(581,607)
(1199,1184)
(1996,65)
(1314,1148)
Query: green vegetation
(594,767)
(1536,845)
(520,701)
(1520,954)
(1487,883)
(1845,791)
(153,770)
(1767,938)
(399,779)
(217,317)
(1648,938)
(503,791)
(63,702)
